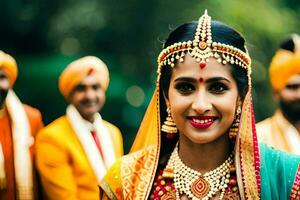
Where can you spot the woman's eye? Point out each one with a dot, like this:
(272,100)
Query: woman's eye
(185,88)
(218,88)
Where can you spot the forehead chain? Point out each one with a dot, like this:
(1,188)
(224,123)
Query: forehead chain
(202,48)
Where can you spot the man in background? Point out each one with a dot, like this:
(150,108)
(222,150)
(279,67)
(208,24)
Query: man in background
(19,124)
(74,151)
(282,129)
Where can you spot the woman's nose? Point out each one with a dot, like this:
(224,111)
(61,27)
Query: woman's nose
(201,103)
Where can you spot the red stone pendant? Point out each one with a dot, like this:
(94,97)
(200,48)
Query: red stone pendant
(202,64)
(200,188)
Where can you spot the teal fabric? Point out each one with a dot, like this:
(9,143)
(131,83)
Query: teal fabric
(278,170)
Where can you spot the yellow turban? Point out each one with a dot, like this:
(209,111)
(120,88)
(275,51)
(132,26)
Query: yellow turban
(285,64)
(9,66)
(76,71)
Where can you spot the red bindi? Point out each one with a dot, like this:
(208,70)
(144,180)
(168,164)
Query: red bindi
(201,80)
(202,64)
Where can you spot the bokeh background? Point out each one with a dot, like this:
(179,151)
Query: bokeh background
(45,35)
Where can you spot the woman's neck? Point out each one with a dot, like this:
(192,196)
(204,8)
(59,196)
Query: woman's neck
(204,157)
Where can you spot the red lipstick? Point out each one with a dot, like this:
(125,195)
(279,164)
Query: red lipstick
(201,122)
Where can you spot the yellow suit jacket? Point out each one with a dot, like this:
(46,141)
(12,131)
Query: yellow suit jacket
(65,171)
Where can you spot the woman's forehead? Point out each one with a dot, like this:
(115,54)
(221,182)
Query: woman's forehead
(191,68)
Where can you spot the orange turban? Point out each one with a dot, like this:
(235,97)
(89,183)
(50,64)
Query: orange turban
(285,64)
(77,70)
(9,66)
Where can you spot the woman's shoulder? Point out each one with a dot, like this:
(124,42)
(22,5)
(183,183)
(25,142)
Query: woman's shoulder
(132,158)
(143,154)
(123,168)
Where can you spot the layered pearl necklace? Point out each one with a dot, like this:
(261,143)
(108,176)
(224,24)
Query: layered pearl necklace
(195,185)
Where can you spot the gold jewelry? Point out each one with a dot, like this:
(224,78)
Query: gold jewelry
(169,125)
(196,185)
(202,48)
(234,129)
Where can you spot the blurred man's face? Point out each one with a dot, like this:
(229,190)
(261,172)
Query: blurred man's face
(289,98)
(4,87)
(88,97)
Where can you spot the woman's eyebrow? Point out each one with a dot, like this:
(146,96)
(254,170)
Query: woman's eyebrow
(185,79)
(216,79)
(209,80)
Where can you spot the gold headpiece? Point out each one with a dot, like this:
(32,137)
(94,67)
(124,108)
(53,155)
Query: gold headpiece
(202,48)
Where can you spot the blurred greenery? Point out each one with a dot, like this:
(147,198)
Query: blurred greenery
(44,36)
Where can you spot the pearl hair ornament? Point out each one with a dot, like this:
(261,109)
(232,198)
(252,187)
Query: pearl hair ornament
(202,48)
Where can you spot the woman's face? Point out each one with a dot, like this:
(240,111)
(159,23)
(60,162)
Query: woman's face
(202,99)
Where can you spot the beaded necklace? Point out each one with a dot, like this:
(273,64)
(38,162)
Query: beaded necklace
(194,184)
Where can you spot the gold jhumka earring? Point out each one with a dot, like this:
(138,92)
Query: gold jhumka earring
(169,125)
(233,131)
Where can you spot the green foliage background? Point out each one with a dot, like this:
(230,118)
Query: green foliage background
(45,35)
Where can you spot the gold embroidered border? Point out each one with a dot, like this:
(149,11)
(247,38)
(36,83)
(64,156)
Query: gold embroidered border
(136,171)
(247,152)
(295,193)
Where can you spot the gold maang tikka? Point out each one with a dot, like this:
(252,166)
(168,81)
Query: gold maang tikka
(202,48)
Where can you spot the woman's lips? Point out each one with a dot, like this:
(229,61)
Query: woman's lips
(202,122)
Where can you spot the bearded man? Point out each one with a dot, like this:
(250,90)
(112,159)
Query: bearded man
(282,130)
(19,124)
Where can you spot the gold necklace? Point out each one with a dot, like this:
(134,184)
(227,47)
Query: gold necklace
(195,185)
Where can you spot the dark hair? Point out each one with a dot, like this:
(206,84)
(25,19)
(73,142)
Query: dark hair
(220,33)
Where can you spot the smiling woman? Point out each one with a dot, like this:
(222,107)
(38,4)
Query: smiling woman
(198,139)
(202,111)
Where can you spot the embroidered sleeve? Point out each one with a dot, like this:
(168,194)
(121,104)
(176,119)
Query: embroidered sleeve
(295,193)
